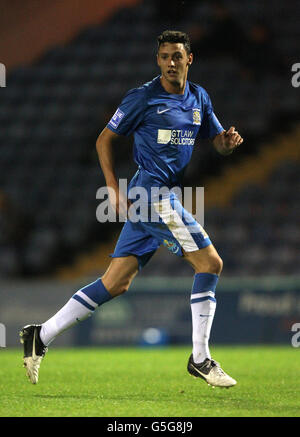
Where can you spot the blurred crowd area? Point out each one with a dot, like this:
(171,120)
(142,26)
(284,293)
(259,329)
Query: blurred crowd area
(52,112)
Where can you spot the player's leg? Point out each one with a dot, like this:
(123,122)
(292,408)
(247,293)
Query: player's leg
(115,281)
(120,274)
(182,235)
(206,260)
(81,305)
(133,250)
(207,265)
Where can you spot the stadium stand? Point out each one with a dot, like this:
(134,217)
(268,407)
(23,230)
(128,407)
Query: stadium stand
(52,111)
(27,32)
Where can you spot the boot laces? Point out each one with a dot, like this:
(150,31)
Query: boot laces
(217,367)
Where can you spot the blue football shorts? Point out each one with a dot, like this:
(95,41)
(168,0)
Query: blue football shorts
(173,226)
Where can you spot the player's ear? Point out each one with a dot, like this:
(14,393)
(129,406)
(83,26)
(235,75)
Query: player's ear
(190,59)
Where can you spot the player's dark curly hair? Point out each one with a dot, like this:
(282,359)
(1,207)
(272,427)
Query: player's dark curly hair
(175,36)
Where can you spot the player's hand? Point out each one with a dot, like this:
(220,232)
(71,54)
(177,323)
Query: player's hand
(232,139)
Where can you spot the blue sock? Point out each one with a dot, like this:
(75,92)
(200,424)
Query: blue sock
(80,306)
(93,295)
(204,283)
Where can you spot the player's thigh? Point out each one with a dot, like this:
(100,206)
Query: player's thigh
(206,260)
(119,274)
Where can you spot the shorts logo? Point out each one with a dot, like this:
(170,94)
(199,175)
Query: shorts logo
(196,116)
(116,118)
(170,245)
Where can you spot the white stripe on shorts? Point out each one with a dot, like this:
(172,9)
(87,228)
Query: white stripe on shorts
(177,227)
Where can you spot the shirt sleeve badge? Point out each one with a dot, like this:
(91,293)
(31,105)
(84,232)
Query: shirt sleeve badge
(116,118)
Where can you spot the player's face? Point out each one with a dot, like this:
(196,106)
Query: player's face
(174,62)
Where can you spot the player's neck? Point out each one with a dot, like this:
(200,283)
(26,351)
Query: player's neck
(173,88)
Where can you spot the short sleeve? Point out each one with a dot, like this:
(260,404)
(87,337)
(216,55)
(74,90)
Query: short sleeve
(130,113)
(210,126)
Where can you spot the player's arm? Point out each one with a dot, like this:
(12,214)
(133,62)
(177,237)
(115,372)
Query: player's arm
(226,141)
(104,149)
(125,120)
(104,146)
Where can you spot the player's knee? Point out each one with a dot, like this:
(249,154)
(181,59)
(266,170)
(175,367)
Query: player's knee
(216,265)
(213,264)
(123,288)
(120,287)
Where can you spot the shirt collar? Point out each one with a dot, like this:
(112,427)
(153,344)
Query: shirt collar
(175,96)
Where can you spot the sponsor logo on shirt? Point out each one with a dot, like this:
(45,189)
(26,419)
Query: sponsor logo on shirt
(116,118)
(175,136)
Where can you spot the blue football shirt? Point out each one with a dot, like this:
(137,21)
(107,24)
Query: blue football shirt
(165,127)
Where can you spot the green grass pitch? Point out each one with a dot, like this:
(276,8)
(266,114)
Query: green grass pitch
(132,382)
